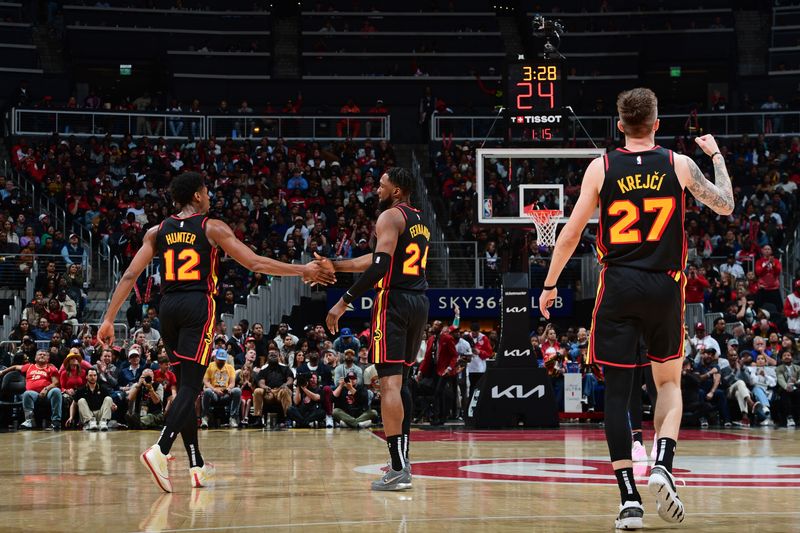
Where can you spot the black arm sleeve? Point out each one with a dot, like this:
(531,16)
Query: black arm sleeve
(379,267)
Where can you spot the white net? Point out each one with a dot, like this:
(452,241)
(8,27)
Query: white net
(546,222)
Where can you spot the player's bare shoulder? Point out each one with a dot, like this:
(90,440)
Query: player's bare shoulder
(152,233)
(216,230)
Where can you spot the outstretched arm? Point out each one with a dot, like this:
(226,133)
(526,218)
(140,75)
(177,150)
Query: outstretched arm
(718,195)
(221,234)
(359,264)
(390,224)
(140,261)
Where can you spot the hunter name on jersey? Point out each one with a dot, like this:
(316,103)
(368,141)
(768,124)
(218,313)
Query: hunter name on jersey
(183,237)
(652,181)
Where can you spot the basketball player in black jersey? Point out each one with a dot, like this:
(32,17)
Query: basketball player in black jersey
(642,247)
(188,245)
(396,270)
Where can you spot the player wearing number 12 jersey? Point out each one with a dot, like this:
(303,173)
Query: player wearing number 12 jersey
(188,244)
(639,190)
(396,270)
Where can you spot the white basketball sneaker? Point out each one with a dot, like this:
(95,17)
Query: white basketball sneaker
(156,463)
(662,486)
(630,516)
(638,453)
(203,476)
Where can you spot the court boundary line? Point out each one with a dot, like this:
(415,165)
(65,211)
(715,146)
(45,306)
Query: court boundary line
(441,519)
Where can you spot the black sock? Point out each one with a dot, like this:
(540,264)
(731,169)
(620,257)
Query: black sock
(189,436)
(406,445)
(395,443)
(637,437)
(627,486)
(666,453)
(195,459)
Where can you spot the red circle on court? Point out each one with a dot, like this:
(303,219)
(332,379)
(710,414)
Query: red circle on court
(694,471)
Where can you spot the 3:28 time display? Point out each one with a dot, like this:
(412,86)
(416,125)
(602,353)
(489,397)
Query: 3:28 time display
(534,109)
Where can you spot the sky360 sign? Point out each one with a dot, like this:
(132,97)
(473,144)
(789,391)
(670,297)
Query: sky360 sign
(474,303)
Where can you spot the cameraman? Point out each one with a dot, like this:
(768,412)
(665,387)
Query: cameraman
(307,409)
(351,400)
(144,403)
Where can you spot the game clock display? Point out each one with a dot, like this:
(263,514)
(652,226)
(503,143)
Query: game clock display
(534,108)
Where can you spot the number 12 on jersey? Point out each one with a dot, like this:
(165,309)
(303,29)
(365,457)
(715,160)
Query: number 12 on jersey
(412,263)
(187,271)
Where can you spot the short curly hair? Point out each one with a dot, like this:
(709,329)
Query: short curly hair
(184,186)
(402,179)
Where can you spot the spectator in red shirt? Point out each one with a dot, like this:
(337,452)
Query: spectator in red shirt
(791,309)
(167,378)
(696,286)
(549,339)
(768,272)
(55,315)
(354,128)
(72,374)
(439,363)
(41,381)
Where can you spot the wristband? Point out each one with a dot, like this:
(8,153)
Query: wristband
(549,287)
(715,153)
(347,297)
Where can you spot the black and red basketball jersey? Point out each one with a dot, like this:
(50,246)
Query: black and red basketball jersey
(407,271)
(641,211)
(188,260)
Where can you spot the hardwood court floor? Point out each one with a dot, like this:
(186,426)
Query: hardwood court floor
(318,480)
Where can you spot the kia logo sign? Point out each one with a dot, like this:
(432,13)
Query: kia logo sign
(516,309)
(517,353)
(517,392)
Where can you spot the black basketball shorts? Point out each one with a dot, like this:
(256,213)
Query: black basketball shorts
(635,304)
(398,323)
(187,325)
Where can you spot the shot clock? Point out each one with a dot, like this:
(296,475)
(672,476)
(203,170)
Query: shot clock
(534,107)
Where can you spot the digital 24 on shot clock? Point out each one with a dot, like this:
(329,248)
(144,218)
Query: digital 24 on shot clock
(534,110)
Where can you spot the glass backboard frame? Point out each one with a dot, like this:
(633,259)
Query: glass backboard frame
(521,220)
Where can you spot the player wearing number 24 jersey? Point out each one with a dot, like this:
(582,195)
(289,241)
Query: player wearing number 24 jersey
(396,270)
(639,190)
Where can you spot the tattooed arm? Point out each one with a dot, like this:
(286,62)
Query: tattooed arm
(718,195)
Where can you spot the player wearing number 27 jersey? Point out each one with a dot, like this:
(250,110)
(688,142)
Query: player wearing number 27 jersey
(639,191)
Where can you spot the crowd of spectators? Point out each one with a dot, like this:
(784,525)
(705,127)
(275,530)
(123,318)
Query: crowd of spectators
(286,199)
(280,199)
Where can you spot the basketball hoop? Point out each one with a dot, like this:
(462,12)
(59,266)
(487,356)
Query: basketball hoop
(546,222)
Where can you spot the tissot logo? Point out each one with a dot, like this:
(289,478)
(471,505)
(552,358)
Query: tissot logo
(517,353)
(517,392)
(516,309)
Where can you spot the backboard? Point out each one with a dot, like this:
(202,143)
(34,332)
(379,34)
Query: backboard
(508,179)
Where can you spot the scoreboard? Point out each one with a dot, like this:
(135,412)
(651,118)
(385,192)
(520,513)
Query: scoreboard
(534,109)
